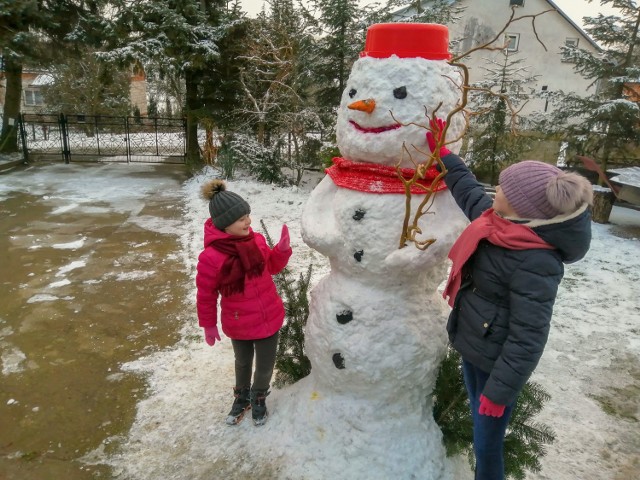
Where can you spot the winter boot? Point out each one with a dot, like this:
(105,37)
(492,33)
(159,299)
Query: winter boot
(240,405)
(259,407)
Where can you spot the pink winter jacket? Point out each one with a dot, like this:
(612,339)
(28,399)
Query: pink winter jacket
(257,312)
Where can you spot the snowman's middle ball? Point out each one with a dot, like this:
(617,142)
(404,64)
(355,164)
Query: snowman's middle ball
(385,105)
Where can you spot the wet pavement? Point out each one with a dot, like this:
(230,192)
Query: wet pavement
(86,284)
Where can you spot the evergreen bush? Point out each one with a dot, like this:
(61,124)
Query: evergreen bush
(225,159)
(525,441)
(263,162)
(291,362)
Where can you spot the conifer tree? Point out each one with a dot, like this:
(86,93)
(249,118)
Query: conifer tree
(179,37)
(340,33)
(444,12)
(221,88)
(494,135)
(608,118)
(39,33)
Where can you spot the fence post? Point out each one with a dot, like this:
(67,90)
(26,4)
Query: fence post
(186,137)
(155,123)
(128,140)
(64,132)
(23,136)
(95,122)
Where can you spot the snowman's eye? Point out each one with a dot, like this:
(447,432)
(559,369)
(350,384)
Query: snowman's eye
(352,92)
(400,92)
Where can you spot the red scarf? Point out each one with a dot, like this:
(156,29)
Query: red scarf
(497,230)
(374,178)
(244,259)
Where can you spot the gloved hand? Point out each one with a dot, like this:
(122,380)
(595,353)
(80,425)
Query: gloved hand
(285,242)
(211,335)
(437,125)
(490,409)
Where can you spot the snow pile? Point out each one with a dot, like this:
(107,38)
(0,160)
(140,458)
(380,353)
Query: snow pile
(179,432)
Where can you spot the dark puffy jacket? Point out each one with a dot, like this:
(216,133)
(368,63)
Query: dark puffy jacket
(502,312)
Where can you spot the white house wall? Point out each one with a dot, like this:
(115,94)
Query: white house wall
(481,20)
(486,17)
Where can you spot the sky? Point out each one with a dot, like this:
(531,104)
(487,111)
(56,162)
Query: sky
(576,9)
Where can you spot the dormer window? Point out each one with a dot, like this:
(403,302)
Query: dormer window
(516,3)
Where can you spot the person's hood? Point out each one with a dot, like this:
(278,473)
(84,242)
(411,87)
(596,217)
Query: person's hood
(569,234)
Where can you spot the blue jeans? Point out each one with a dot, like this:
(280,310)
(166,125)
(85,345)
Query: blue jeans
(488,432)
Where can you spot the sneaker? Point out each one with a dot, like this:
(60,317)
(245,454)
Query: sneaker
(259,410)
(241,404)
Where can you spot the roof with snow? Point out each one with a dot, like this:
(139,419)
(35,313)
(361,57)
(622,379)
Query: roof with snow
(42,79)
(626,176)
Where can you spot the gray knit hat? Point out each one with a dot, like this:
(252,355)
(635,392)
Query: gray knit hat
(224,207)
(542,191)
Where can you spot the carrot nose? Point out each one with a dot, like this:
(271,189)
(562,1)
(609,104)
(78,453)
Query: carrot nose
(367,105)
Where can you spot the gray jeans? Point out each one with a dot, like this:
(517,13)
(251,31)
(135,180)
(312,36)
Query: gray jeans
(265,353)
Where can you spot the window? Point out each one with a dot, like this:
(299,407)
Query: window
(33,97)
(516,3)
(569,42)
(512,41)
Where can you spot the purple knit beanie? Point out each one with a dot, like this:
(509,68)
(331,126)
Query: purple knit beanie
(525,187)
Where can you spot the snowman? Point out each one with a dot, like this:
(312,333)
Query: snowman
(375,335)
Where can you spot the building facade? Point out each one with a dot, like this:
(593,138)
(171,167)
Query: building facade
(539,49)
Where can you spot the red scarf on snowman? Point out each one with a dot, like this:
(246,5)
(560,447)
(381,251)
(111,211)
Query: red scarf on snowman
(375,178)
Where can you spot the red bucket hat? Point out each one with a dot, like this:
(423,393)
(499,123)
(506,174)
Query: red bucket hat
(407,40)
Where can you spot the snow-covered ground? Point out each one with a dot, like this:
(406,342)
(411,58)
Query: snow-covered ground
(592,362)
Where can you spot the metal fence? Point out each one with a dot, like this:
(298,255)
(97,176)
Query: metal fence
(95,137)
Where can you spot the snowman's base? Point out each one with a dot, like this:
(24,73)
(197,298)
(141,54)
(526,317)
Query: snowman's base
(318,436)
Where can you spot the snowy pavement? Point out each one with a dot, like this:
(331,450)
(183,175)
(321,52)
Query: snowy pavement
(592,361)
(591,366)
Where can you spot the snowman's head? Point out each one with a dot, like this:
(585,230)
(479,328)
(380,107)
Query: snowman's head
(388,101)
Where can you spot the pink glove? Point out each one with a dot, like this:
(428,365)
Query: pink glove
(285,242)
(437,126)
(211,335)
(490,409)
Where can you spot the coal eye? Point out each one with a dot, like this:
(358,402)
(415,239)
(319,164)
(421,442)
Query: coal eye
(400,92)
(352,92)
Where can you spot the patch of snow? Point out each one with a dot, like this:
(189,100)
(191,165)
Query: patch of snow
(60,283)
(42,297)
(134,275)
(72,266)
(70,245)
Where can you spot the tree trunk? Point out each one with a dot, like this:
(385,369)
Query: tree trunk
(193,150)
(11,112)
(603,199)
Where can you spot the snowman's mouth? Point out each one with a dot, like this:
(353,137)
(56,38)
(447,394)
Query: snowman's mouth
(374,129)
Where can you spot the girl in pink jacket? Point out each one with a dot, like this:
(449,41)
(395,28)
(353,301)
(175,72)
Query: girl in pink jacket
(236,265)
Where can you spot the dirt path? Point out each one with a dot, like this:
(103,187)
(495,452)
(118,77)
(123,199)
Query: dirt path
(84,287)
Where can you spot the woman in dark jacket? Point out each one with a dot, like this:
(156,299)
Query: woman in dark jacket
(507,266)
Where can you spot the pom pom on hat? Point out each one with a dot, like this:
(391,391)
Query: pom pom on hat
(225,207)
(542,191)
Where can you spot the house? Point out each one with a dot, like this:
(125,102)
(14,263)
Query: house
(33,80)
(482,20)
